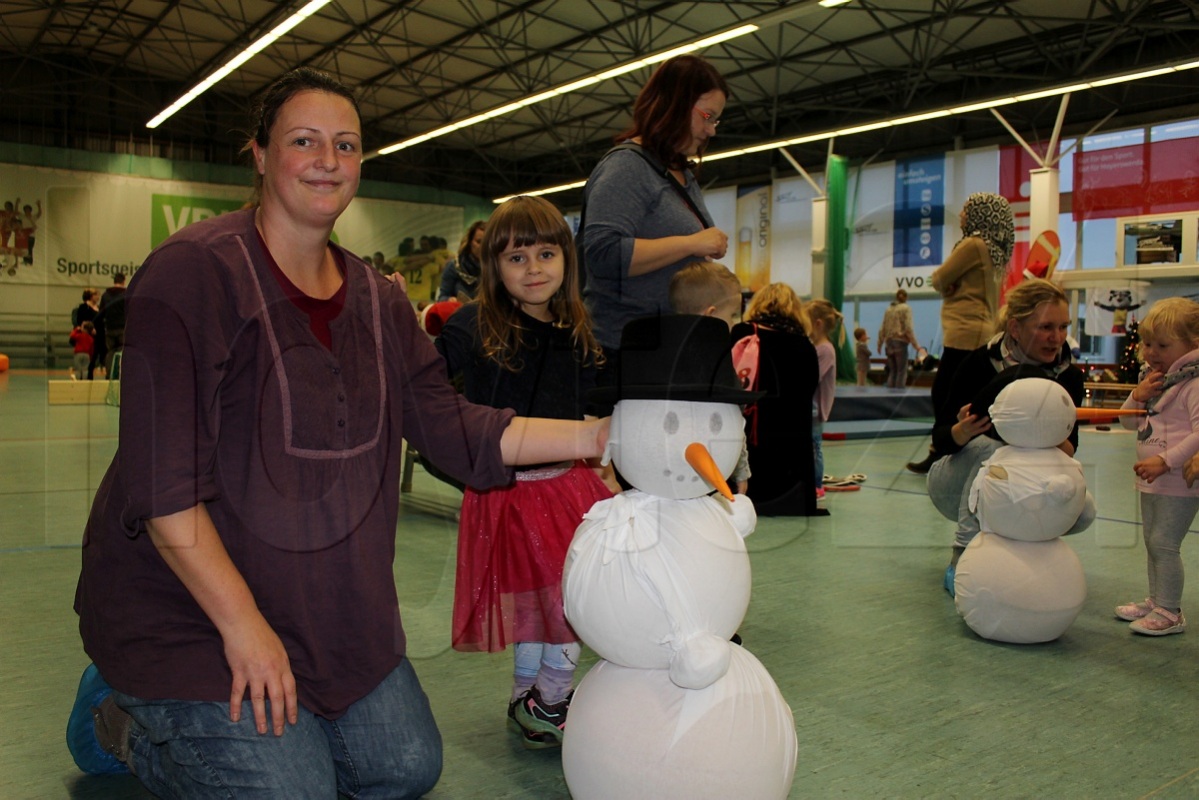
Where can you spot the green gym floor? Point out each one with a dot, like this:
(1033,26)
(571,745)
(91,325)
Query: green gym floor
(893,696)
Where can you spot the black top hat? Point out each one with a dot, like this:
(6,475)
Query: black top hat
(675,357)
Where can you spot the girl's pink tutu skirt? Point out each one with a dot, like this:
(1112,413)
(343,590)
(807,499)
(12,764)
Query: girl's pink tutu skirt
(512,544)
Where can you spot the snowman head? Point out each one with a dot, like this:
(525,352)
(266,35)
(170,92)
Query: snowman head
(649,440)
(675,386)
(1033,412)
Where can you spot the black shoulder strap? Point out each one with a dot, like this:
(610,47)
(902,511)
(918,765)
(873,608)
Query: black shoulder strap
(657,167)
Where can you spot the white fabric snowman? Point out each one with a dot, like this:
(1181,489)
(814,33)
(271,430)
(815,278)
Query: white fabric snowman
(656,582)
(1018,581)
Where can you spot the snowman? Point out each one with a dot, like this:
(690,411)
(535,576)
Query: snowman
(657,580)
(1018,581)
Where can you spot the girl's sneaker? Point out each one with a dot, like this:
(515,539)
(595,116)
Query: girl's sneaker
(531,740)
(1131,612)
(1159,622)
(534,714)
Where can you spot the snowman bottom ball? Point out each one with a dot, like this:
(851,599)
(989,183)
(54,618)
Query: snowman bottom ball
(1019,592)
(633,733)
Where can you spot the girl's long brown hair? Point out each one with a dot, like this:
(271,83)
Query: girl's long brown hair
(520,222)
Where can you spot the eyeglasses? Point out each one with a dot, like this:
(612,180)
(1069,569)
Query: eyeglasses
(707,116)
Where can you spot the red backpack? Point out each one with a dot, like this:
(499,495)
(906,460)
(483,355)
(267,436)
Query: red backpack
(745,361)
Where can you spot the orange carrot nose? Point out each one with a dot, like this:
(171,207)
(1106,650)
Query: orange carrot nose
(701,461)
(1100,414)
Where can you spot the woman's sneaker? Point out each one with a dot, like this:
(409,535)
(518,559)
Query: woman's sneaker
(531,740)
(98,730)
(1159,622)
(534,714)
(1131,612)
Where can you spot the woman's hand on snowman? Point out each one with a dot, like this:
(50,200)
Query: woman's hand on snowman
(969,425)
(1150,469)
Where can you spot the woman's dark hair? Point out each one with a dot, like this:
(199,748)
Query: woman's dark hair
(469,236)
(662,113)
(266,110)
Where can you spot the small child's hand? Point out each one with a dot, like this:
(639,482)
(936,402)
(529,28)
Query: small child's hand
(1150,469)
(1190,470)
(1149,388)
(742,487)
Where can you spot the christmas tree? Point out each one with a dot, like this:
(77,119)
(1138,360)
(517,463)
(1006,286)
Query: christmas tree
(1130,365)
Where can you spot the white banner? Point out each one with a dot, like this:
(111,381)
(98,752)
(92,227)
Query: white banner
(1111,308)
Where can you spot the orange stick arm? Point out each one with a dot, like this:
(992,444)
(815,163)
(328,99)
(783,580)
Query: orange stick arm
(1093,414)
(701,461)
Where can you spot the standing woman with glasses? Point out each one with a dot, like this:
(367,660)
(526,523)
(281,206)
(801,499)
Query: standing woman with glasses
(644,217)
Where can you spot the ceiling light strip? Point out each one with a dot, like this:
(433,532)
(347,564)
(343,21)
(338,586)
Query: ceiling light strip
(245,55)
(566,88)
(550,190)
(945,112)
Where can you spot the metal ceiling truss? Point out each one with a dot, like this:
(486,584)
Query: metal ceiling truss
(88,74)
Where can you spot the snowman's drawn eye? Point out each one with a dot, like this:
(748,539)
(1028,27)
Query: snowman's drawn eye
(715,423)
(671,423)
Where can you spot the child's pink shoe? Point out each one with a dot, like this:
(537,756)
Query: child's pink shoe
(1159,622)
(1134,611)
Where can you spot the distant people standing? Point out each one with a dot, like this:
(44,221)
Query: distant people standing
(8,225)
(861,352)
(825,322)
(86,311)
(460,276)
(29,221)
(645,212)
(894,336)
(83,339)
(112,318)
(970,282)
(779,433)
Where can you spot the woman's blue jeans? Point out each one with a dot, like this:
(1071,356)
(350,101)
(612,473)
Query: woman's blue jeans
(385,745)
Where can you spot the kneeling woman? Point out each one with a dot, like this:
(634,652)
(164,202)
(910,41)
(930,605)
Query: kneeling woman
(1032,335)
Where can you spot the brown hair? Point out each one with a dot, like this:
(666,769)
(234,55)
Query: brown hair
(520,222)
(664,107)
(778,300)
(700,285)
(464,245)
(287,86)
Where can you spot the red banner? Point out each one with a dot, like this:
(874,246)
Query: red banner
(1015,164)
(1150,178)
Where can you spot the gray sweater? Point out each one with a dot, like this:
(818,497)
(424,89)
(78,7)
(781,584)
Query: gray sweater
(627,200)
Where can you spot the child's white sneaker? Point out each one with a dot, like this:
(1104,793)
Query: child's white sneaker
(1159,622)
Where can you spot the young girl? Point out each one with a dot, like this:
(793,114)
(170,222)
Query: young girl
(83,338)
(525,343)
(1167,436)
(862,353)
(825,320)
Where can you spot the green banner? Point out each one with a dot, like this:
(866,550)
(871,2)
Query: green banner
(170,212)
(836,180)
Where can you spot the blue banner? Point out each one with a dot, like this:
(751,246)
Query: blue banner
(919,211)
